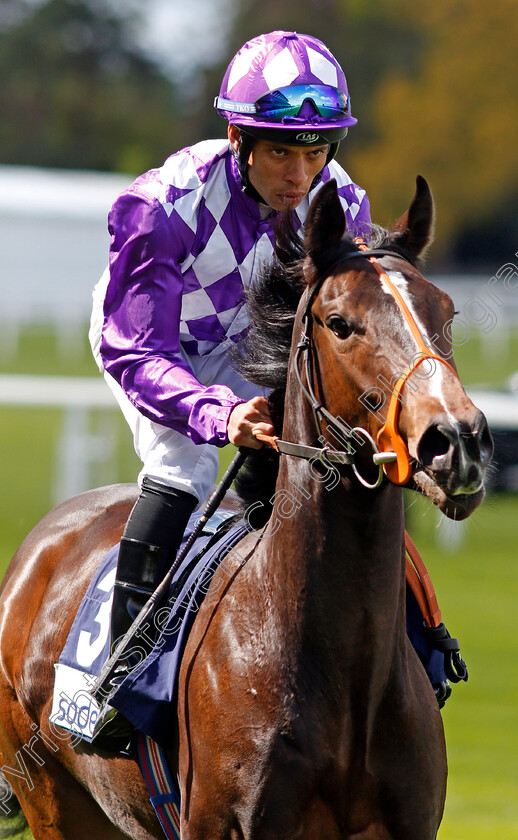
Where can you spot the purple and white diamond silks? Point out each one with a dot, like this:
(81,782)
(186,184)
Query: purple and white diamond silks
(186,242)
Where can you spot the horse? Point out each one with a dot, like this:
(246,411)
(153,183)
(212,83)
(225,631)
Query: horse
(303,711)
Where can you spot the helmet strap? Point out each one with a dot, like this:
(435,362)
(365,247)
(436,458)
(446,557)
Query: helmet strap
(242,156)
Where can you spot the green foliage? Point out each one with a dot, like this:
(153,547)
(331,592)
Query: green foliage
(351,30)
(77,93)
(432,87)
(453,118)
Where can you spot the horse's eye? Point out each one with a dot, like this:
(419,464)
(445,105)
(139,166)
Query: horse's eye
(340,327)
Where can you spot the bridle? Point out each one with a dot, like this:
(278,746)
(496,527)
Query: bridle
(390,452)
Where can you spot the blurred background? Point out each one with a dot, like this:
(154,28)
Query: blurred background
(95,92)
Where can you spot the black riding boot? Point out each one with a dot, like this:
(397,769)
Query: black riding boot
(136,579)
(148,548)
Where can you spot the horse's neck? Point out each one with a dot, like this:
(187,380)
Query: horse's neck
(342,526)
(338,549)
(333,575)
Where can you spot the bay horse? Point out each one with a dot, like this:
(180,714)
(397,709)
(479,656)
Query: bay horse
(303,711)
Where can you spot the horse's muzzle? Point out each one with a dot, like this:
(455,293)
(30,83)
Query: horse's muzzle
(456,454)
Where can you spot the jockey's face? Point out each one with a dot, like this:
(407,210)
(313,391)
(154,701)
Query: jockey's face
(282,174)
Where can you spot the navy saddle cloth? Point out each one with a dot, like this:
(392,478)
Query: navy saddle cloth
(146,696)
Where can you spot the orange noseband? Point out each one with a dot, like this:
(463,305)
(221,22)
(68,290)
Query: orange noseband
(388,438)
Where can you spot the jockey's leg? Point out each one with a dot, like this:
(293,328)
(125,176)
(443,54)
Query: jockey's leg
(147,550)
(176,476)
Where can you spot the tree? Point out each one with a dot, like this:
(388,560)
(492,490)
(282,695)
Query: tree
(455,120)
(76,92)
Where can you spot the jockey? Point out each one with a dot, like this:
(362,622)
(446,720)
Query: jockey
(186,240)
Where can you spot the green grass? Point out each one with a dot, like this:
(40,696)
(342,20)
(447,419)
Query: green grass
(38,352)
(15,828)
(476,584)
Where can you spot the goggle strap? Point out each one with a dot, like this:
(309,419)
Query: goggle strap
(238,107)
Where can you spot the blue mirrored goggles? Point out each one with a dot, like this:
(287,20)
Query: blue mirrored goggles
(276,105)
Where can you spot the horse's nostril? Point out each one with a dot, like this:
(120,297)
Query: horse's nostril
(433,444)
(473,476)
(486,445)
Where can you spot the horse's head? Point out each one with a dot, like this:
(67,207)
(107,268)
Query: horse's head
(381,357)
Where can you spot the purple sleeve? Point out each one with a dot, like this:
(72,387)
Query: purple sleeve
(140,344)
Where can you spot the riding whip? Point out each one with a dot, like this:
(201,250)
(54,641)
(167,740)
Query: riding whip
(212,504)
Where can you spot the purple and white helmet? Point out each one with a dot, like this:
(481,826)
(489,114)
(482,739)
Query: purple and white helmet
(289,85)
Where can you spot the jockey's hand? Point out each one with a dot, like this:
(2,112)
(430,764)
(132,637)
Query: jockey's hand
(248,418)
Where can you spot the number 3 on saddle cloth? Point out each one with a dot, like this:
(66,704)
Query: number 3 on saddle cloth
(146,694)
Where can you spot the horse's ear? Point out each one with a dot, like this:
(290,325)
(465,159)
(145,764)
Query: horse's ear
(414,230)
(325,224)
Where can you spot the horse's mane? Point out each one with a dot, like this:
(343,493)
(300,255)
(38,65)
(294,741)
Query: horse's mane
(263,356)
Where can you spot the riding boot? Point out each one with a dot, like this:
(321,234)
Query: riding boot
(137,571)
(148,547)
(147,550)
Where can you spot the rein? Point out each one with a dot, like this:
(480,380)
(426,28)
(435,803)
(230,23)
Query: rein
(390,452)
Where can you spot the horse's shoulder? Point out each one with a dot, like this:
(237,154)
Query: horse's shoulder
(231,605)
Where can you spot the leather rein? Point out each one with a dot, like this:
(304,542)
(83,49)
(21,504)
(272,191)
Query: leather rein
(390,452)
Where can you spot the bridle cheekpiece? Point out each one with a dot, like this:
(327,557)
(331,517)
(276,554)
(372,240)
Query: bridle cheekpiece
(390,452)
